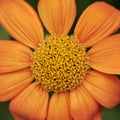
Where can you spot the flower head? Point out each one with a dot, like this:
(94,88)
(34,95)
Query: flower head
(59,76)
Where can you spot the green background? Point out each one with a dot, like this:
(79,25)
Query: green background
(107,114)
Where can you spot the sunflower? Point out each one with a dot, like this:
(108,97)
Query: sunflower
(59,76)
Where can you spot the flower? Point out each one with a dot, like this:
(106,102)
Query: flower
(97,116)
(59,76)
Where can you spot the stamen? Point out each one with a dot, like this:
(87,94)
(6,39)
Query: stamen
(60,63)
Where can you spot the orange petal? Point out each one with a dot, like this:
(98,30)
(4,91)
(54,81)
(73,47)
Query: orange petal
(104,88)
(16,118)
(31,104)
(82,105)
(59,107)
(97,116)
(21,21)
(105,55)
(57,15)
(13,83)
(13,56)
(98,21)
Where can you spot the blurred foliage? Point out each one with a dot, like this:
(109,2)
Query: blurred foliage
(3,34)
(113,114)
(107,114)
(4,111)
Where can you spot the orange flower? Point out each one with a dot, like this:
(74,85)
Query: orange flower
(59,76)
(97,116)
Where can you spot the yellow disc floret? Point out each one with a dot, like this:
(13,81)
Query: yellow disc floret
(60,63)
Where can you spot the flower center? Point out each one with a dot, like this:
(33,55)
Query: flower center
(60,63)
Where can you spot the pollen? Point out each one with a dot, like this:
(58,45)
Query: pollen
(60,63)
